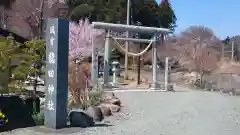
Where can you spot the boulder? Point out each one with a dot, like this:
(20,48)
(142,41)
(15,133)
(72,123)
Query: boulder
(95,112)
(112,107)
(105,110)
(80,119)
(114,101)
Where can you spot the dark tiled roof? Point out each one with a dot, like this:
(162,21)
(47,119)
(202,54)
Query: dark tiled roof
(6,33)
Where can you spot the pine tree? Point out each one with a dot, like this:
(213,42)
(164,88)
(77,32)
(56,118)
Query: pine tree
(8,54)
(16,62)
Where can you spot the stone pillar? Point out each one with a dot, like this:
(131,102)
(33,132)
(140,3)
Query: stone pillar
(155,85)
(106,60)
(56,73)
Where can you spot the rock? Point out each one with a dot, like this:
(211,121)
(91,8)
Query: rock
(114,101)
(80,119)
(108,95)
(95,112)
(105,110)
(112,107)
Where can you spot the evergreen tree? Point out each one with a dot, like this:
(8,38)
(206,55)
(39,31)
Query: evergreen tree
(167,17)
(96,10)
(147,12)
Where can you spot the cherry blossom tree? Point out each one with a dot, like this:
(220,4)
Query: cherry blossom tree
(82,37)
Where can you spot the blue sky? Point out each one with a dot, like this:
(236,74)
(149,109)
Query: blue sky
(223,16)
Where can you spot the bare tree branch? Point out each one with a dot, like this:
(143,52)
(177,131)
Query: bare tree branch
(32,13)
(195,48)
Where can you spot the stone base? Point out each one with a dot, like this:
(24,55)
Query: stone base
(155,86)
(161,87)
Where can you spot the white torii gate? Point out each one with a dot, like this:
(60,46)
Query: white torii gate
(121,27)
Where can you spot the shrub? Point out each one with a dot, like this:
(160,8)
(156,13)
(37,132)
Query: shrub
(38,118)
(3,119)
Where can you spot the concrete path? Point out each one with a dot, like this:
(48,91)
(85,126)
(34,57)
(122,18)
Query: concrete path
(186,112)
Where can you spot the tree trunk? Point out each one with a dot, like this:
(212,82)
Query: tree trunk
(41,20)
(201,78)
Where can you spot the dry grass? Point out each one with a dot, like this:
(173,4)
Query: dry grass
(227,66)
(78,81)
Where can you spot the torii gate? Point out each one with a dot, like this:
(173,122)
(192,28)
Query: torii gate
(131,28)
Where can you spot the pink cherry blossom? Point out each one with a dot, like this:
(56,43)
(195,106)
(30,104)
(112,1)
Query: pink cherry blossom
(81,37)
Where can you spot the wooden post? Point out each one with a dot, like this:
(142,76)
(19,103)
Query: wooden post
(139,67)
(232,58)
(166,74)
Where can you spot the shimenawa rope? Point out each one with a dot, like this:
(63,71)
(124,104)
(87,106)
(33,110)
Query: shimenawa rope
(121,49)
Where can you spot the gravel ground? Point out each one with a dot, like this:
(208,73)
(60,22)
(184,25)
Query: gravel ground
(163,113)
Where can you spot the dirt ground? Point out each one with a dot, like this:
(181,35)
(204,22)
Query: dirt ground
(185,112)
